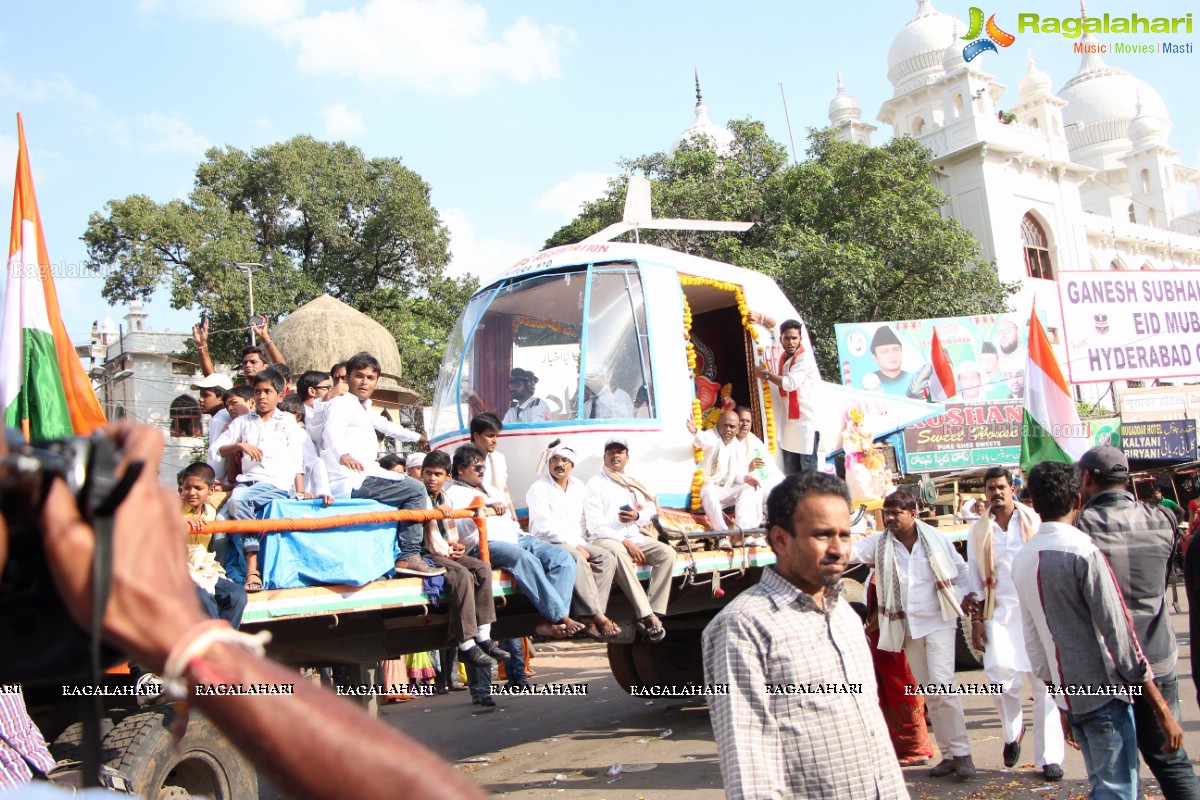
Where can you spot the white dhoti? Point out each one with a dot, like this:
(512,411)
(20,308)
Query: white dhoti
(1004,662)
(747,502)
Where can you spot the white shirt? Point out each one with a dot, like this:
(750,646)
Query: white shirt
(499,529)
(799,373)
(495,478)
(1006,543)
(751,448)
(350,427)
(216,426)
(316,475)
(609,404)
(602,505)
(720,460)
(555,514)
(969,512)
(918,589)
(314,420)
(281,440)
(532,410)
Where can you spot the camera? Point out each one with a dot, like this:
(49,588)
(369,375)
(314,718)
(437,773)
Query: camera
(40,641)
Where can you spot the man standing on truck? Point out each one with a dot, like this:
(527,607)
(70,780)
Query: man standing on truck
(920,578)
(1137,539)
(996,629)
(797,377)
(791,631)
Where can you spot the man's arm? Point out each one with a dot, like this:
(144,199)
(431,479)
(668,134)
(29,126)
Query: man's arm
(265,337)
(599,525)
(749,744)
(863,551)
(200,336)
(393,430)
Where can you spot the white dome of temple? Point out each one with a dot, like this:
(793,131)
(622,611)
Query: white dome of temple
(1101,102)
(1035,83)
(843,107)
(915,57)
(720,138)
(1146,129)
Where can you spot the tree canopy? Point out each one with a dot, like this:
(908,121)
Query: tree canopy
(319,216)
(851,234)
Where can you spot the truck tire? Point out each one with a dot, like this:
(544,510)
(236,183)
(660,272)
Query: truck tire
(677,660)
(67,746)
(620,663)
(966,657)
(206,765)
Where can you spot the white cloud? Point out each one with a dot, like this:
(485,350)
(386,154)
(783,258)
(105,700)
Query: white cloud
(343,122)
(485,258)
(567,198)
(59,88)
(440,47)
(168,133)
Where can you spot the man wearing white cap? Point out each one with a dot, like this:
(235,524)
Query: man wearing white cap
(211,391)
(414,464)
(601,402)
(616,507)
(555,503)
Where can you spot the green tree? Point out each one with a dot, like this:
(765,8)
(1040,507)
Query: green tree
(852,234)
(320,217)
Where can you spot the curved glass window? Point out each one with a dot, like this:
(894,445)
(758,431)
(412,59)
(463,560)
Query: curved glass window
(546,326)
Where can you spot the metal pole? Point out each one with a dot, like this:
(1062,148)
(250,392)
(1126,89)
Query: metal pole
(250,287)
(789,123)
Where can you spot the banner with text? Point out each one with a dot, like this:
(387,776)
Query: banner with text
(1162,440)
(964,437)
(1130,326)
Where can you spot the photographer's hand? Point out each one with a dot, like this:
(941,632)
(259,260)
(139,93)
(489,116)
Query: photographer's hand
(152,602)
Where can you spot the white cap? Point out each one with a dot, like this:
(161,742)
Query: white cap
(214,381)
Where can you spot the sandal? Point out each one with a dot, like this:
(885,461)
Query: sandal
(550,630)
(609,630)
(253,582)
(654,632)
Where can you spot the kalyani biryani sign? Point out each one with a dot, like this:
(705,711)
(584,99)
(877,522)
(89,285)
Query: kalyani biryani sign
(1131,326)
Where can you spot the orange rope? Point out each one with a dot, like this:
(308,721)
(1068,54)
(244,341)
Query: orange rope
(255,526)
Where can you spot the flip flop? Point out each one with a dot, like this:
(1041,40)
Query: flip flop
(655,633)
(610,631)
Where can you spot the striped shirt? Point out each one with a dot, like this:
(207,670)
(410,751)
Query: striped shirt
(20,741)
(781,732)
(1078,633)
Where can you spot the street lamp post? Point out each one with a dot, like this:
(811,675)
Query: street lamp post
(247,267)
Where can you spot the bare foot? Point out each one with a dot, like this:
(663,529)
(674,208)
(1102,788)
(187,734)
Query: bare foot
(551,630)
(572,626)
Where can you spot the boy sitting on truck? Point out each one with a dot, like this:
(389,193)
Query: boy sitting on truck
(272,448)
(221,597)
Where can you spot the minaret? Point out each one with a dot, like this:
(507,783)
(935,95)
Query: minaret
(721,138)
(845,114)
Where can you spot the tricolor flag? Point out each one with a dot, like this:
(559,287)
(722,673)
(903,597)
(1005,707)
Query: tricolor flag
(941,382)
(1051,430)
(43,388)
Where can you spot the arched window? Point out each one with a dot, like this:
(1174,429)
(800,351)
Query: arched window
(185,417)
(1037,249)
(958,105)
(1145,180)
(1118,265)
(1033,123)
(1132,215)
(1147,267)
(918,126)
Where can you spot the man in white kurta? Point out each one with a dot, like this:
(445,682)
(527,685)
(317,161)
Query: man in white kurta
(919,579)
(615,508)
(727,481)
(797,380)
(555,502)
(754,453)
(996,626)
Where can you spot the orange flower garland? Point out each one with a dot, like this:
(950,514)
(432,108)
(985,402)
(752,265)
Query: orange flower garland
(697,415)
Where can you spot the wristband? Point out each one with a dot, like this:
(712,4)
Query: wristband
(194,644)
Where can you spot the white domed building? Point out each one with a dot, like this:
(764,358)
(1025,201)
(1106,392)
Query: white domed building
(1078,178)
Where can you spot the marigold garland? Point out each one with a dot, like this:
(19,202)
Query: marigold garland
(697,412)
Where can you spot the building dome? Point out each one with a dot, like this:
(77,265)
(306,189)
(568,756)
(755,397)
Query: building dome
(1145,129)
(720,138)
(915,57)
(1102,101)
(844,107)
(1035,82)
(325,331)
(952,59)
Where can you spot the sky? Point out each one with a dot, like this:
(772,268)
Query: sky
(513,112)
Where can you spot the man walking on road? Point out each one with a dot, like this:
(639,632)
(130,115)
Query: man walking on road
(1079,637)
(920,579)
(996,623)
(794,629)
(1137,540)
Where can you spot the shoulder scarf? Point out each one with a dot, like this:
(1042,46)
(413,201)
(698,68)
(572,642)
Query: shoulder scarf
(985,556)
(891,611)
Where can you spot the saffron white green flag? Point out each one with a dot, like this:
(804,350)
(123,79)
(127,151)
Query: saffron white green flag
(1051,430)
(43,388)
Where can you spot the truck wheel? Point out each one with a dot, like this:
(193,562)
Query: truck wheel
(205,765)
(620,663)
(966,657)
(677,660)
(67,747)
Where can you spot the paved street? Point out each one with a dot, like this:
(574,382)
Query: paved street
(564,747)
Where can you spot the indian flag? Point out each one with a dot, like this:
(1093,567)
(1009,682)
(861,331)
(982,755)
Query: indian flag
(1051,430)
(941,382)
(43,388)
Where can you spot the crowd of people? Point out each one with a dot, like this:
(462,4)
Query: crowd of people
(1067,593)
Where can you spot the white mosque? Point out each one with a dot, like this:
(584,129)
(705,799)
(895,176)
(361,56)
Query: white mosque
(1079,178)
